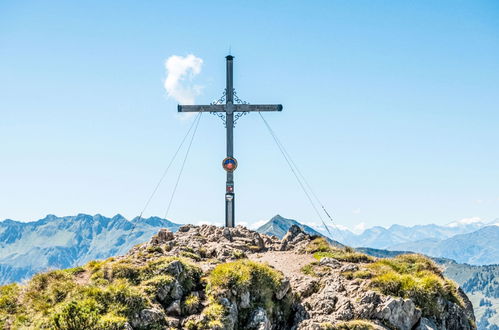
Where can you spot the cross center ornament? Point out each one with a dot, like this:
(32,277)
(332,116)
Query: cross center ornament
(229,108)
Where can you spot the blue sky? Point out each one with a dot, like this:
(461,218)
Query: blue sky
(390,108)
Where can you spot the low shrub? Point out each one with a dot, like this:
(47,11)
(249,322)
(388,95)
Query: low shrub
(191,302)
(309,269)
(243,276)
(117,291)
(416,277)
(73,315)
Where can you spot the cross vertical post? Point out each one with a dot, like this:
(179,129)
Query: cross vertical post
(230,163)
(229,121)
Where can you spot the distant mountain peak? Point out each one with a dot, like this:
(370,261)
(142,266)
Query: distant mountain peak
(278,226)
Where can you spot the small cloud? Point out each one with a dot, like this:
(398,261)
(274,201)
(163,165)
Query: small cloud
(180,71)
(356,211)
(479,201)
(465,221)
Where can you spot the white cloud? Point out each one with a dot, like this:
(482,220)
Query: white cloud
(180,71)
(356,211)
(465,221)
(255,225)
(359,228)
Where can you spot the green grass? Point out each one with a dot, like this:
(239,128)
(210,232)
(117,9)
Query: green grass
(154,249)
(310,269)
(320,248)
(318,244)
(116,291)
(363,274)
(416,277)
(409,276)
(349,325)
(236,278)
(190,255)
(238,254)
(191,303)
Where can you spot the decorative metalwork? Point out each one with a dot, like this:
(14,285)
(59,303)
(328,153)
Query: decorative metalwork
(221,115)
(237,99)
(221,100)
(239,115)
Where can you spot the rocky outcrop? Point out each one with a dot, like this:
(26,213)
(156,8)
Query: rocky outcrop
(207,277)
(329,298)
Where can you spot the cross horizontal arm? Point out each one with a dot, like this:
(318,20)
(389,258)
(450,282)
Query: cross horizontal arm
(234,108)
(202,108)
(257,107)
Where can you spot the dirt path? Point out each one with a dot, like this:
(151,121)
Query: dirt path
(289,263)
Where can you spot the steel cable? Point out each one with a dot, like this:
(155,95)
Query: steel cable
(299,177)
(194,123)
(183,164)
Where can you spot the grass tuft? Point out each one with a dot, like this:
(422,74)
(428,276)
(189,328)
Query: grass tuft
(416,277)
(349,325)
(320,248)
(117,291)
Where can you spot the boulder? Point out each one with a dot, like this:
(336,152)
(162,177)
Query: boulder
(399,312)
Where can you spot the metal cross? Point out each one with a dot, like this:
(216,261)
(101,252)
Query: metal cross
(229,108)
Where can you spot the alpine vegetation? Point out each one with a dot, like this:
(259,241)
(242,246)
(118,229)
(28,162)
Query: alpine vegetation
(207,277)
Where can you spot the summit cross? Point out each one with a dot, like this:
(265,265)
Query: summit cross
(229,108)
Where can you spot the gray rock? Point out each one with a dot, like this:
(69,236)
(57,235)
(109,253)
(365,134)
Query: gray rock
(184,228)
(165,235)
(177,291)
(227,234)
(345,311)
(231,317)
(349,268)
(172,322)
(283,289)
(259,320)
(245,300)
(175,268)
(401,313)
(163,292)
(426,324)
(258,241)
(147,318)
(306,287)
(174,308)
(330,262)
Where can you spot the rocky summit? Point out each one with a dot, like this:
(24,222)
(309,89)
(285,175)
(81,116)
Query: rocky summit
(207,277)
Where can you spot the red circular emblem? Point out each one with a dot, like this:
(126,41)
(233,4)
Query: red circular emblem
(229,164)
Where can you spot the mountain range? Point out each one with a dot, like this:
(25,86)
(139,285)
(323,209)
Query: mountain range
(468,241)
(481,283)
(62,242)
